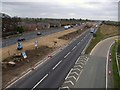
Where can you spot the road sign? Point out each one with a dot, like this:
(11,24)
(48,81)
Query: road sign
(36,44)
(24,54)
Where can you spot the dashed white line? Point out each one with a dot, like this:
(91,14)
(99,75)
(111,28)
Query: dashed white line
(39,82)
(66,55)
(57,64)
(79,43)
(74,48)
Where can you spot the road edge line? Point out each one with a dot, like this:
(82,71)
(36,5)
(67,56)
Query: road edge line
(107,64)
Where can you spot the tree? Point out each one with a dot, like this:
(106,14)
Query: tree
(20,29)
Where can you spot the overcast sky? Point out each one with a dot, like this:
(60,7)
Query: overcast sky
(85,9)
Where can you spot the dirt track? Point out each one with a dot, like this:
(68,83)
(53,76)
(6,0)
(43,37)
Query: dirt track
(43,41)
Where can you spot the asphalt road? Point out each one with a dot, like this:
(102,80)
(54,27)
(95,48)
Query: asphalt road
(29,35)
(94,73)
(52,73)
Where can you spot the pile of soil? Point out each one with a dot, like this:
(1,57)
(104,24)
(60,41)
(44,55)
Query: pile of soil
(72,35)
(34,56)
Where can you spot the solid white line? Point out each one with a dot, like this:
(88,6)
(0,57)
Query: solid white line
(66,55)
(18,79)
(77,60)
(101,42)
(39,82)
(68,74)
(57,64)
(83,52)
(107,65)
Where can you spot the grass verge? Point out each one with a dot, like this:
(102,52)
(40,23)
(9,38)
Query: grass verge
(104,31)
(94,41)
(115,70)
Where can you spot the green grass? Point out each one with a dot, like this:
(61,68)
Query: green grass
(114,66)
(94,41)
(105,31)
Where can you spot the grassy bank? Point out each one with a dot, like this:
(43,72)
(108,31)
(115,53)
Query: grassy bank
(94,41)
(103,32)
(114,66)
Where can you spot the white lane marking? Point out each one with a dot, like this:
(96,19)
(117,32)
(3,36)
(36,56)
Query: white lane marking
(107,65)
(68,74)
(74,73)
(77,60)
(74,48)
(57,64)
(100,43)
(76,69)
(82,61)
(72,77)
(39,82)
(79,75)
(86,61)
(69,82)
(66,87)
(78,66)
(66,55)
(79,43)
(18,79)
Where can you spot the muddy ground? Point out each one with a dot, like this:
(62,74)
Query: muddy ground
(35,55)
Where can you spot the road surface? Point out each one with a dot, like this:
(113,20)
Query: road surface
(51,74)
(94,73)
(29,35)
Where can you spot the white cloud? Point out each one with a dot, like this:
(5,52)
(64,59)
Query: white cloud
(102,9)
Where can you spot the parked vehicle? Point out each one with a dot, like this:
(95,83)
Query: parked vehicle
(67,27)
(39,33)
(21,39)
(19,47)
